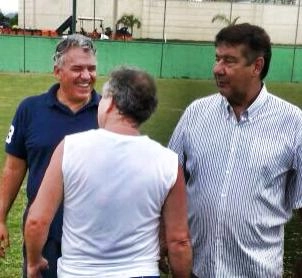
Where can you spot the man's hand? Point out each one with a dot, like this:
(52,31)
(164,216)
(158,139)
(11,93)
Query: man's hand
(34,271)
(163,263)
(4,239)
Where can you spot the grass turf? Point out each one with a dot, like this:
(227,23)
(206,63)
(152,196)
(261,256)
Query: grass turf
(174,96)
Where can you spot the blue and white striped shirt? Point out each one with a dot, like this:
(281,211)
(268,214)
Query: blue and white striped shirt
(243,180)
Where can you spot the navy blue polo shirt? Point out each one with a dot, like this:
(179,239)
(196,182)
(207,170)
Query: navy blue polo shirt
(39,125)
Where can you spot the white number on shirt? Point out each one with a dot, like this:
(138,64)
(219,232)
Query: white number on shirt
(10,134)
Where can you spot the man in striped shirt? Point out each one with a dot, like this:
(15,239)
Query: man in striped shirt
(241,150)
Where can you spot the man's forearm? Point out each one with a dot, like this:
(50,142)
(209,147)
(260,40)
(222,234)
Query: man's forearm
(177,230)
(7,196)
(11,180)
(35,235)
(12,176)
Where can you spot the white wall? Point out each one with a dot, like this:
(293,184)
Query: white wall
(40,14)
(187,20)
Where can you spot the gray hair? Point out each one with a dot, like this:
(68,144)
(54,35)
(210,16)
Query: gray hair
(70,41)
(133,92)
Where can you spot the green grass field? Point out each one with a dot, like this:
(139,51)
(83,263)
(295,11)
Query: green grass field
(174,96)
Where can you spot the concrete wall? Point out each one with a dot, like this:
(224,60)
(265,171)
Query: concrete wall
(185,20)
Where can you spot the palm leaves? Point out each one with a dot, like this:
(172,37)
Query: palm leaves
(223,18)
(129,21)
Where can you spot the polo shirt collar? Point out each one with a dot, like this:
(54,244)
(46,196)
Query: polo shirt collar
(252,111)
(53,101)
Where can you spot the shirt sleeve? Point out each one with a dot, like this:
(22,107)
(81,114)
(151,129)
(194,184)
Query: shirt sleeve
(15,140)
(295,188)
(177,139)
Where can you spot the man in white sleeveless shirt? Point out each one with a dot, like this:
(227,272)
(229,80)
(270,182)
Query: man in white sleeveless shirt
(115,185)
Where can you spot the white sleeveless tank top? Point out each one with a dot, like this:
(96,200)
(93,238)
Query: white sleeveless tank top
(114,189)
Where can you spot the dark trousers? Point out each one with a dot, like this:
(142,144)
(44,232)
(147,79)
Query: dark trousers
(51,252)
(298,268)
(193,275)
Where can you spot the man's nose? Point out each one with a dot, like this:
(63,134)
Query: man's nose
(85,74)
(218,68)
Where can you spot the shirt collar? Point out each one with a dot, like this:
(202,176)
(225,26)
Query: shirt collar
(254,108)
(252,111)
(53,101)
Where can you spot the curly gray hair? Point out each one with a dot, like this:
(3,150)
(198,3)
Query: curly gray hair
(70,41)
(133,92)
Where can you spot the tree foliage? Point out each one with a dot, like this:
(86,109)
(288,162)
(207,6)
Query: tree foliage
(3,19)
(14,20)
(224,19)
(129,20)
(8,21)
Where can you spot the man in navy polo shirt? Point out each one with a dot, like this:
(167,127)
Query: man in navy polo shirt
(39,124)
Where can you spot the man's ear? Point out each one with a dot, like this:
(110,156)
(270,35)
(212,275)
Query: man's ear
(56,72)
(110,105)
(259,64)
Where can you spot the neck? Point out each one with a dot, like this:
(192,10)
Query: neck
(239,106)
(123,126)
(73,104)
(123,130)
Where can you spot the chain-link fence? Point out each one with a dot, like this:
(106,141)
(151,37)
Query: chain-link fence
(172,24)
(186,20)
